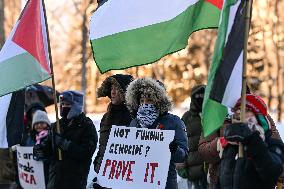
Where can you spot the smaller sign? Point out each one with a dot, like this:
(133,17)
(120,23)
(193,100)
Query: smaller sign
(31,174)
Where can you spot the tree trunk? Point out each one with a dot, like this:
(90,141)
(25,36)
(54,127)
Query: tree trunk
(278,60)
(84,55)
(2,19)
(84,58)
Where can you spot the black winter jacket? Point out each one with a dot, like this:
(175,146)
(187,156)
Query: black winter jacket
(260,167)
(72,171)
(194,162)
(116,115)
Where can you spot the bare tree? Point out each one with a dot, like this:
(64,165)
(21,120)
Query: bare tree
(279,77)
(2,32)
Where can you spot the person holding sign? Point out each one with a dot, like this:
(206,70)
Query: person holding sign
(77,142)
(147,99)
(40,126)
(117,113)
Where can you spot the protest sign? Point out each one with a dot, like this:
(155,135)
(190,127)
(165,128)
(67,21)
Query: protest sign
(31,173)
(136,158)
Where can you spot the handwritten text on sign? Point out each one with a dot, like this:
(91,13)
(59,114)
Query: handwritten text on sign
(136,158)
(31,174)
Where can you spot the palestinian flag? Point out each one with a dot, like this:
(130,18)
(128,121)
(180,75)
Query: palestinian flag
(225,77)
(11,118)
(24,58)
(126,33)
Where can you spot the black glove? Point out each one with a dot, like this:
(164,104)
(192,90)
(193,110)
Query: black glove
(61,142)
(96,185)
(38,152)
(237,132)
(173,146)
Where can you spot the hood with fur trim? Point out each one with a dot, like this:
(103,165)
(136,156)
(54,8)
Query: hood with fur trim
(151,88)
(120,80)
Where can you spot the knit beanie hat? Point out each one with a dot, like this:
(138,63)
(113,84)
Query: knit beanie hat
(255,104)
(40,116)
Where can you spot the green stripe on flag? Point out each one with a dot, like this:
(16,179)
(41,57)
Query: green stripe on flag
(148,44)
(214,113)
(21,71)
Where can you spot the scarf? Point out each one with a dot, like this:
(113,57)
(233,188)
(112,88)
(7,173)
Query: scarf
(146,115)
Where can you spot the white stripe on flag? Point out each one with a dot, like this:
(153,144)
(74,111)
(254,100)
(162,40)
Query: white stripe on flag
(234,86)
(4,107)
(116,16)
(10,49)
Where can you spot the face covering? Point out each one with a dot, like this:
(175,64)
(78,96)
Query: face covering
(146,115)
(254,126)
(65,111)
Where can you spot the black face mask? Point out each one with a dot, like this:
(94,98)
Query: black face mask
(65,111)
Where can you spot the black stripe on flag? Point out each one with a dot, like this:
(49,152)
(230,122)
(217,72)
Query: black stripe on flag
(15,118)
(101,2)
(232,51)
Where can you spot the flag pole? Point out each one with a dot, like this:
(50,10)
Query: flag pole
(244,73)
(52,77)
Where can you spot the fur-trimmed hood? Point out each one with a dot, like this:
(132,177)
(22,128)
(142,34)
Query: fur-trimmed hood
(156,92)
(119,80)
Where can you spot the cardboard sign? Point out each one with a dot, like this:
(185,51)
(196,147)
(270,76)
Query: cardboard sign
(136,158)
(31,173)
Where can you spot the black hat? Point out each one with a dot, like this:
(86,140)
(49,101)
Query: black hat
(197,96)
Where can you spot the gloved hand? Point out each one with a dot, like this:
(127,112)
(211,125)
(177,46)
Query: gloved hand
(61,142)
(38,152)
(237,132)
(96,185)
(173,146)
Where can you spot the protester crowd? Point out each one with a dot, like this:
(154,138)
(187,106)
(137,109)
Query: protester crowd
(213,162)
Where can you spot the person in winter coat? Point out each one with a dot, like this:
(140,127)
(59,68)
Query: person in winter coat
(148,100)
(194,166)
(40,126)
(77,141)
(28,138)
(261,164)
(208,149)
(117,113)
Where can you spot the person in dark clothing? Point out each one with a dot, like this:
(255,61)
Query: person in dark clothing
(117,113)
(210,151)
(194,166)
(77,141)
(261,164)
(148,100)
(40,127)
(28,138)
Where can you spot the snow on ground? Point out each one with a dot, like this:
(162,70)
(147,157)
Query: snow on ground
(280,128)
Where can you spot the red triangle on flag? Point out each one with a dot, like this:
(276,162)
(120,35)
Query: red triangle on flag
(29,33)
(217,3)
